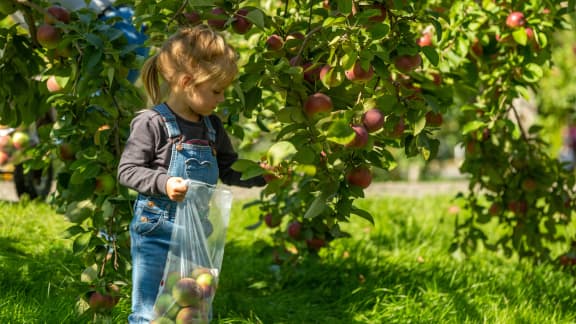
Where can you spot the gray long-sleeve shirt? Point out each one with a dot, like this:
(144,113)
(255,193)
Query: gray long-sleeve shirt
(146,156)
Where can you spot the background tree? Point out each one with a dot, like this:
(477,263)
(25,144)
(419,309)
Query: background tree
(328,91)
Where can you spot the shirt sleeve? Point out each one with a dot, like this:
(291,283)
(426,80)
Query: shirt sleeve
(138,167)
(226,156)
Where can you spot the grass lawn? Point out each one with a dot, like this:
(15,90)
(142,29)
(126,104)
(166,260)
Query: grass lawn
(398,271)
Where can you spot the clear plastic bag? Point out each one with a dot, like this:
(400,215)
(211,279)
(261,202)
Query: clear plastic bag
(195,258)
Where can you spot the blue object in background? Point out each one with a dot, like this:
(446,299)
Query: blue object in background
(133,36)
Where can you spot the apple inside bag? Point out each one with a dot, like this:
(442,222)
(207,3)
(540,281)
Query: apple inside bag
(194,261)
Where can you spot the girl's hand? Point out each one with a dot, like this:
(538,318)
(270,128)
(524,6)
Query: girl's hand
(176,188)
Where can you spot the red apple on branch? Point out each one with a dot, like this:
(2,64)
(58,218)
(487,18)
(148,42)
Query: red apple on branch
(193,17)
(434,119)
(218,18)
(425,40)
(515,19)
(241,24)
(274,42)
(57,13)
(52,84)
(359,176)
(329,76)
(373,120)
(360,137)
(317,103)
(294,230)
(48,36)
(357,74)
(407,63)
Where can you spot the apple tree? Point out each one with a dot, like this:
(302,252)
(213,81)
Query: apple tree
(335,88)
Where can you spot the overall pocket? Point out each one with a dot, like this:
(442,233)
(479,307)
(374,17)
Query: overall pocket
(203,170)
(150,214)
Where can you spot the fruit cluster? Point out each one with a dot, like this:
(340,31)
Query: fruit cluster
(186,299)
(219,19)
(19,140)
(48,34)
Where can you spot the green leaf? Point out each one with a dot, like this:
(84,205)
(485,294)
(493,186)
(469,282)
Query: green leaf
(379,31)
(419,125)
(333,21)
(78,211)
(90,274)
(317,206)
(279,152)
(242,165)
(344,6)
(472,126)
(340,132)
(532,73)
(73,231)
(253,98)
(257,18)
(362,213)
(81,242)
(431,54)
(94,40)
(520,36)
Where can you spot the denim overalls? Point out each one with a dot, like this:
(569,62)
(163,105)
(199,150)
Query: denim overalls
(151,227)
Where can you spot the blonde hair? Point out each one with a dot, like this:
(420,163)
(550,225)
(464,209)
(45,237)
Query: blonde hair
(199,52)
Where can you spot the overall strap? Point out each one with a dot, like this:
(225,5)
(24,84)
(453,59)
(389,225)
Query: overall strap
(169,120)
(211,130)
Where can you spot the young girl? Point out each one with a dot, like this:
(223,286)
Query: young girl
(178,139)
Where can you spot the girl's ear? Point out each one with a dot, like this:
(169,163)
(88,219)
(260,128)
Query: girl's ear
(185,81)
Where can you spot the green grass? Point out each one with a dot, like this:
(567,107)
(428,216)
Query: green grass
(395,272)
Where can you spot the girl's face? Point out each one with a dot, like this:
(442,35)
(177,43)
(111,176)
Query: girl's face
(204,97)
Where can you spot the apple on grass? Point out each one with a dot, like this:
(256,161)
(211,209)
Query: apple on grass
(100,302)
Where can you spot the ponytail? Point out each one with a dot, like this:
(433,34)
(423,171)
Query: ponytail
(151,79)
